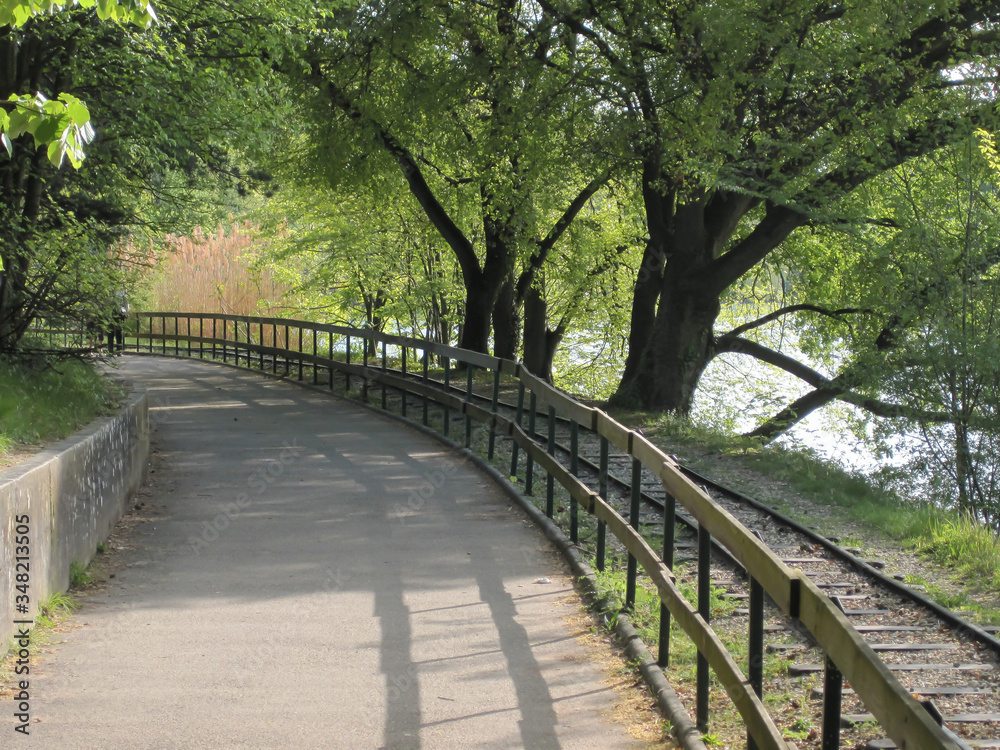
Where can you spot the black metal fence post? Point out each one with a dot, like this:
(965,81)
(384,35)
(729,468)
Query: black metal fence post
(833,688)
(574,469)
(493,406)
(469,372)
(403,394)
(550,480)
(315,353)
(755,645)
(447,389)
(426,365)
(347,372)
(332,368)
(364,366)
(705,610)
(514,446)
(529,460)
(602,527)
(669,529)
(288,349)
(385,367)
(632,570)
(299,348)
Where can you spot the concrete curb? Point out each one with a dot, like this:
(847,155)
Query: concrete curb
(670,705)
(58,506)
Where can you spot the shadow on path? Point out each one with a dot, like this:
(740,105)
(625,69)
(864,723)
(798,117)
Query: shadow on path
(313,575)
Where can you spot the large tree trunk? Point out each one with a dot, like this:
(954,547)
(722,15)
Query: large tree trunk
(476,326)
(22,209)
(679,349)
(540,342)
(9,288)
(506,331)
(673,309)
(28,63)
(648,282)
(669,350)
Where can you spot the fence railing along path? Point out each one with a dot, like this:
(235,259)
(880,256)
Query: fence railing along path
(362,357)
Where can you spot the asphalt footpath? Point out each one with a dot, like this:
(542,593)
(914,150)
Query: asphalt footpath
(309,574)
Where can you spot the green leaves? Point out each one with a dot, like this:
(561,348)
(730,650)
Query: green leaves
(988,148)
(18,12)
(61,125)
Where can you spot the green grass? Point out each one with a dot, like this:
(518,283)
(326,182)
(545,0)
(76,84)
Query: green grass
(39,404)
(51,613)
(79,576)
(55,608)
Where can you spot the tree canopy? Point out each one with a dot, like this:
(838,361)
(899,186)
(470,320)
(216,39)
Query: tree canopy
(518,174)
(500,150)
(749,121)
(158,136)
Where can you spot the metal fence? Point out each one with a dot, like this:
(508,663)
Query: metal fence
(362,357)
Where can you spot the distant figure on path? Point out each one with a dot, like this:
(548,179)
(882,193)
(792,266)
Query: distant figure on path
(119,313)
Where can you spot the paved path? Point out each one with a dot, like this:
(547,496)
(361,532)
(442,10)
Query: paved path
(316,576)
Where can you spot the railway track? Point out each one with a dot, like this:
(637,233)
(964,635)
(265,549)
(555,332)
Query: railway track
(951,665)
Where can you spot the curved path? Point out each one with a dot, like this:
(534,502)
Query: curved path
(317,576)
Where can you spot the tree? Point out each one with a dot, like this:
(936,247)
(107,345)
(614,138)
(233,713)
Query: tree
(933,318)
(158,128)
(495,145)
(366,258)
(748,121)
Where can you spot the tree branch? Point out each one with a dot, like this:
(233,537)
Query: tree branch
(771,231)
(782,361)
(464,251)
(825,391)
(836,314)
(544,246)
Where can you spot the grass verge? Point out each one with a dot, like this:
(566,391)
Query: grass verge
(47,403)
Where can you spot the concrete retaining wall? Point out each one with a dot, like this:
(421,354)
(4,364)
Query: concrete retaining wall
(68,499)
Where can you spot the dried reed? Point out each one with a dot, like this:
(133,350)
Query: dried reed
(217,272)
